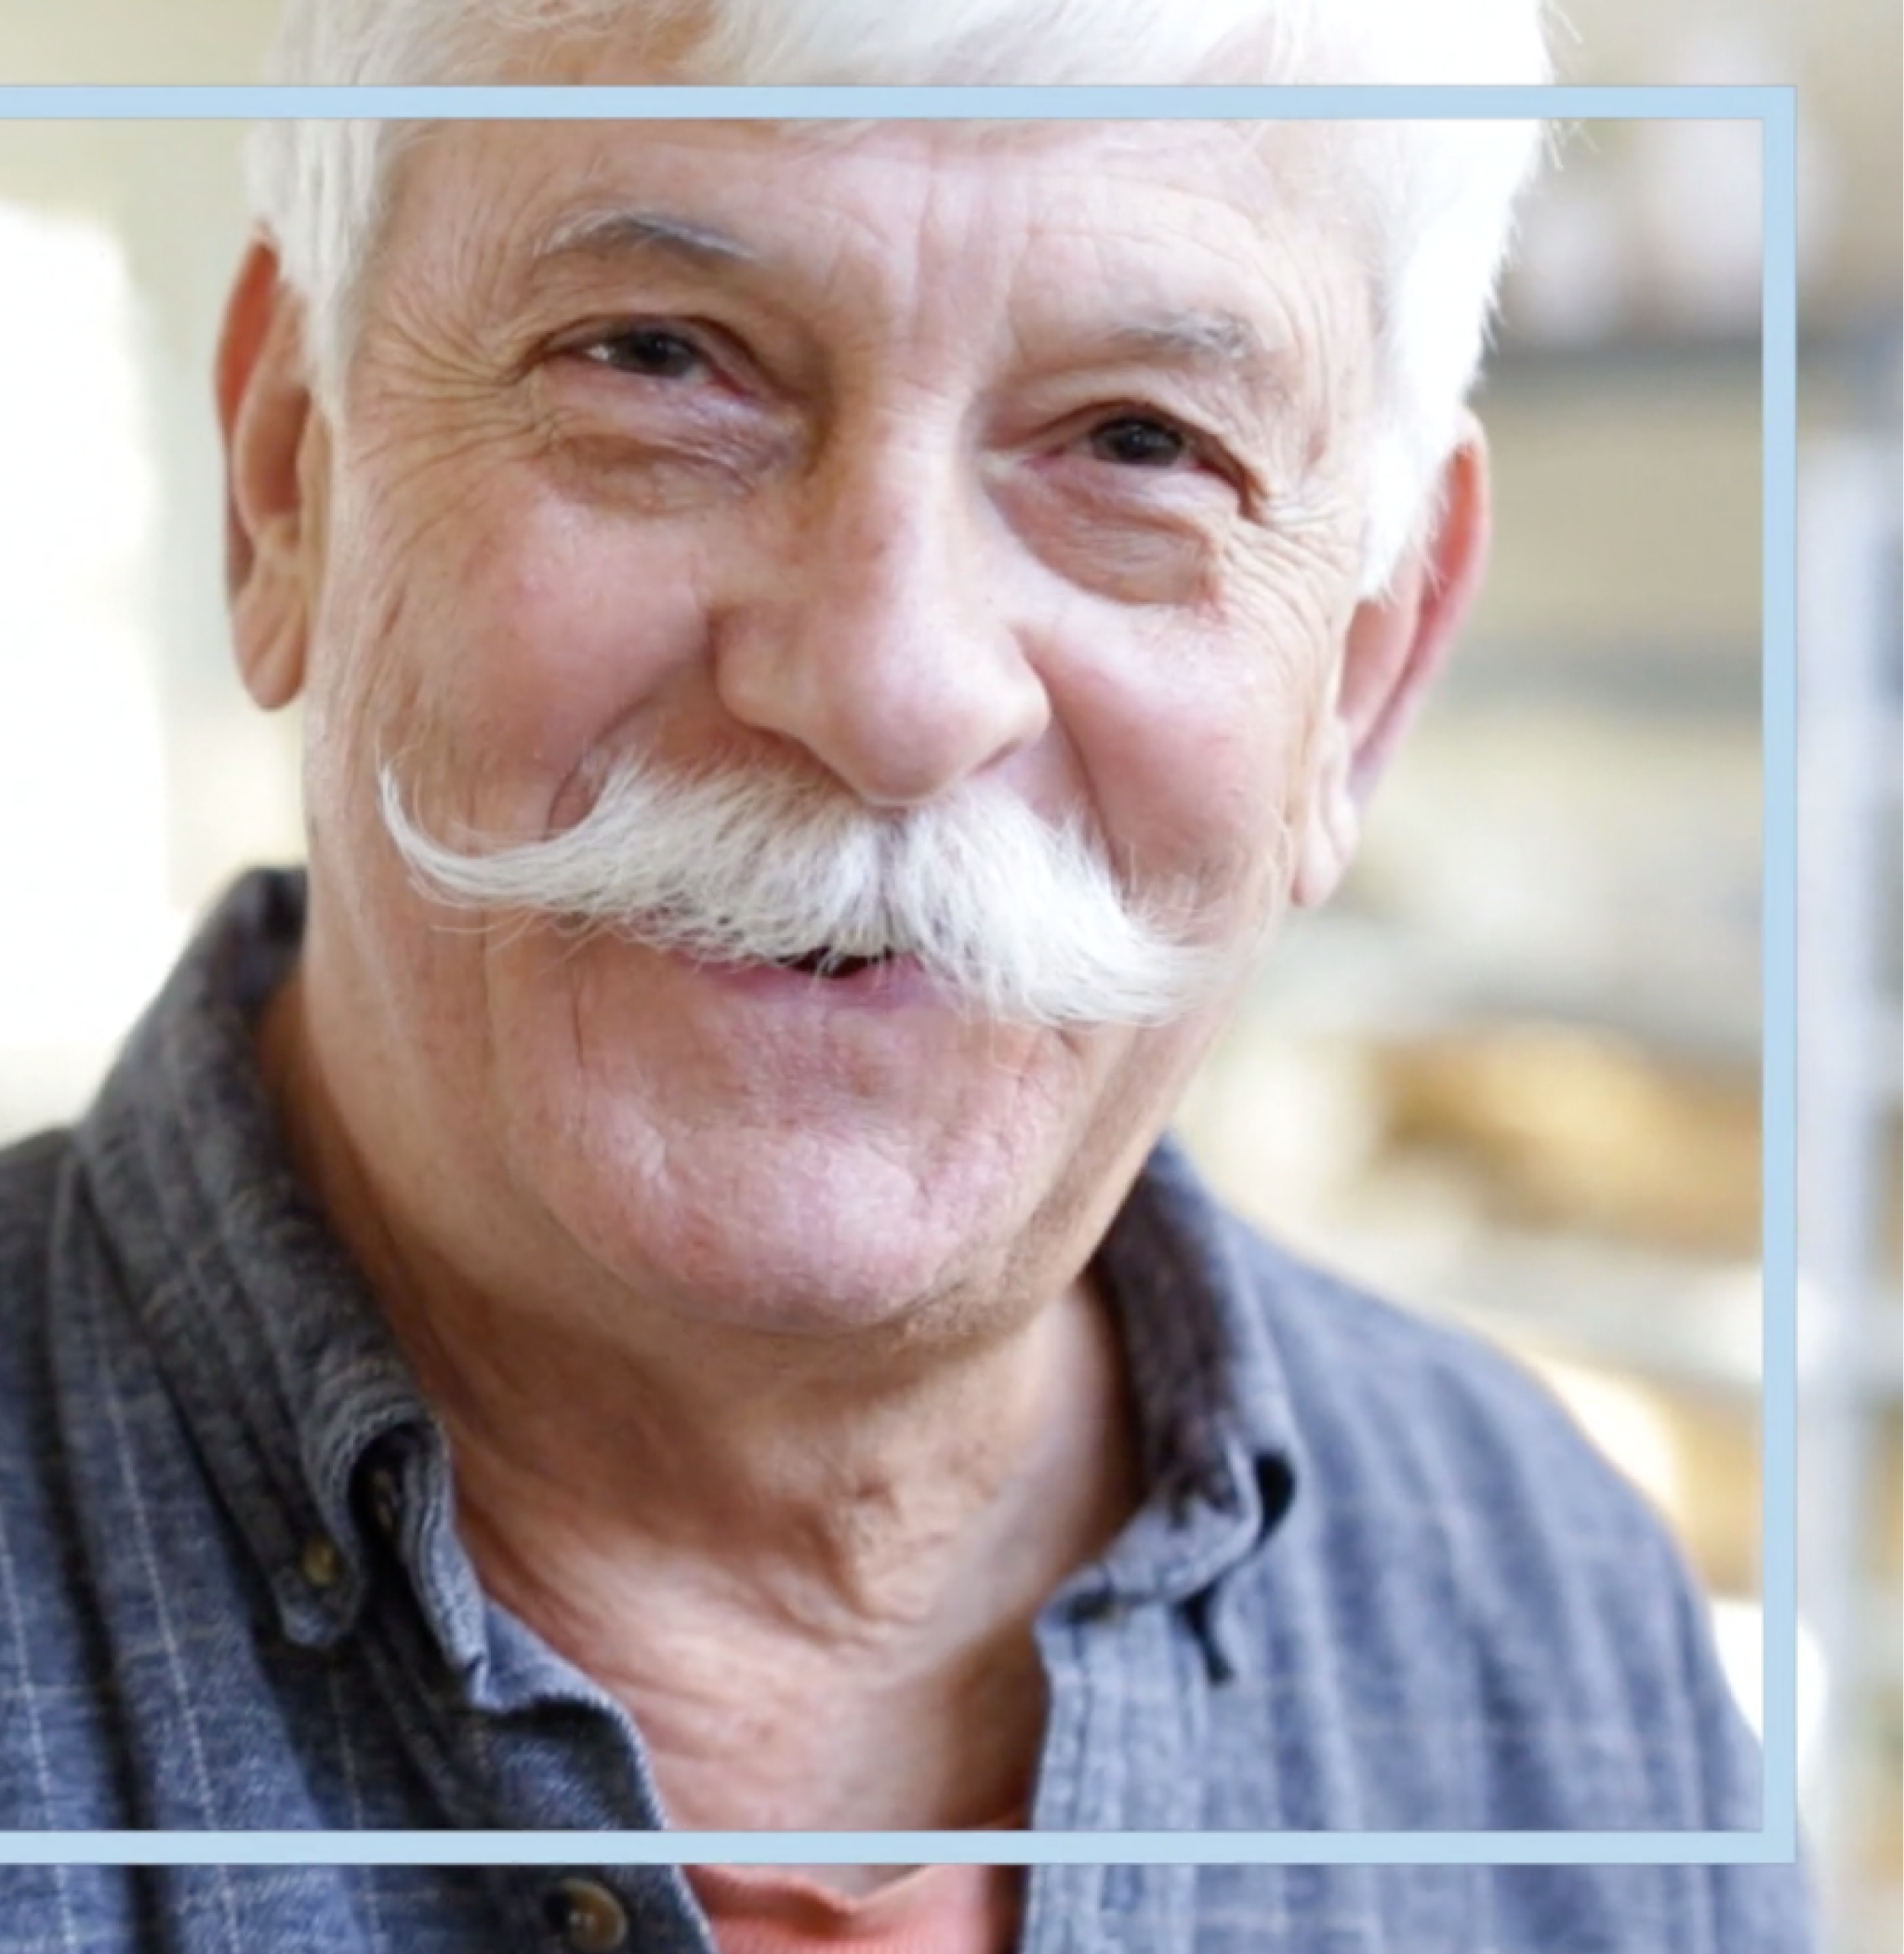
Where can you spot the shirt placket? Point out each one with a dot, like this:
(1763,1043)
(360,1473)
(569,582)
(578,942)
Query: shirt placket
(1128,1687)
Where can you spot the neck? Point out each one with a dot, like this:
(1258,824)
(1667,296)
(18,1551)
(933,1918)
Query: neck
(819,1612)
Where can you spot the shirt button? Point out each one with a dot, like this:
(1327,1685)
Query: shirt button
(321,1562)
(589,1919)
(1100,1605)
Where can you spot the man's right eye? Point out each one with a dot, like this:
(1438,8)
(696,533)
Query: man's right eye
(651,350)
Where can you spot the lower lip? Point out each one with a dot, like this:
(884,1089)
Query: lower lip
(898,982)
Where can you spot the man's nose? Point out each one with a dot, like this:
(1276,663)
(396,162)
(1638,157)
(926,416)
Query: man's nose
(875,634)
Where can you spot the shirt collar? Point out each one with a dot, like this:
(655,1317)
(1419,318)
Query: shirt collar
(1220,1451)
(276,1356)
(305,1412)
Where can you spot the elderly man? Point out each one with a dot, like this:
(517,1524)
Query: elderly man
(647,1290)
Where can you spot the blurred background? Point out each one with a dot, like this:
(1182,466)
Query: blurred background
(1513,1076)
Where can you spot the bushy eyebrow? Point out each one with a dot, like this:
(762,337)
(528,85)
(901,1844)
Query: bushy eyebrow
(608,234)
(1222,345)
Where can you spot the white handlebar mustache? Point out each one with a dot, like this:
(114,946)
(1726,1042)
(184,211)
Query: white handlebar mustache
(1018,919)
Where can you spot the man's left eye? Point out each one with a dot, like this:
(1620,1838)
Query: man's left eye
(650,351)
(1136,441)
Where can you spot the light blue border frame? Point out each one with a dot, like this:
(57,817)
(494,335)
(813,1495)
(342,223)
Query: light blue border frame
(1774,109)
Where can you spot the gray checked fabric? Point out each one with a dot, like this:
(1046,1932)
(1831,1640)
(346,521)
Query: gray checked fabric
(1377,1581)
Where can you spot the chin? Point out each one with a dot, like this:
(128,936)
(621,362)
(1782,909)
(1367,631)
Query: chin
(788,1290)
(813,1238)
(808,1180)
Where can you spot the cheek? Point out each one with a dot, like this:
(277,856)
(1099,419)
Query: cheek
(1199,740)
(512,645)
(1194,774)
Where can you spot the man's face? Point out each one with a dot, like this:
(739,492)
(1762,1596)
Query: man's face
(904,460)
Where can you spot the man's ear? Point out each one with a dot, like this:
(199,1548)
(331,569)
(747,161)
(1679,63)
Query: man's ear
(1396,644)
(265,416)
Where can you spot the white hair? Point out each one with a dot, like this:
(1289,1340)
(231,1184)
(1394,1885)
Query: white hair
(1438,196)
(1015,918)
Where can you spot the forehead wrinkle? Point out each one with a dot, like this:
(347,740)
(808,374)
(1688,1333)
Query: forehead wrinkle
(1204,337)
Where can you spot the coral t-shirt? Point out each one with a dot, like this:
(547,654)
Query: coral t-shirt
(932,1909)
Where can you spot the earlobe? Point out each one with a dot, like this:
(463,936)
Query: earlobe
(1331,824)
(1394,646)
(265,415)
